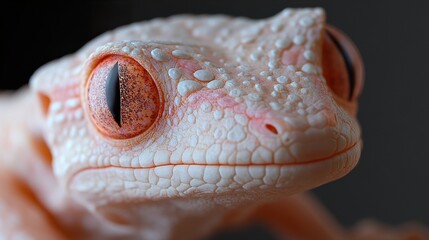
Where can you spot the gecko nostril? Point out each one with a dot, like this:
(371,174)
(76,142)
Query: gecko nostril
(45,101)
(271,128)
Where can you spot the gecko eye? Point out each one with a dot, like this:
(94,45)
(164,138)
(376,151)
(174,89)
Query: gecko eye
(123,98)
(342,65)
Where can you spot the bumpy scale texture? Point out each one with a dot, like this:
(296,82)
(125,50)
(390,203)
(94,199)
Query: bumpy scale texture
(221,121)
(218,117)
(244,108)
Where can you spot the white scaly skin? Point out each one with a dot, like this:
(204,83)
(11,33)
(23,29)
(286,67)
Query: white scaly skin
(246,117)
(207,140)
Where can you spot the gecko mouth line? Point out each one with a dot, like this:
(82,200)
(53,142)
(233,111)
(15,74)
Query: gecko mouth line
(336,154)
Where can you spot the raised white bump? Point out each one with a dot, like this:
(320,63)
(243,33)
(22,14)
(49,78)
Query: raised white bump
(282,79)
(174,73)
(159,55)
(309,68)
(215,84)
(181,54)
(203,75)
(187,87)
(254,97)
(236,92)
(283,43)
(309,55)
(231,83)
(55,107)
(72,103)
(299,39)
(279,88)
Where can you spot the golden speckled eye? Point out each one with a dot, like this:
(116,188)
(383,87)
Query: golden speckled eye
(123,98)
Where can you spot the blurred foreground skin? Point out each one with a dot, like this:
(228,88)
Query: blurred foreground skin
(176,128)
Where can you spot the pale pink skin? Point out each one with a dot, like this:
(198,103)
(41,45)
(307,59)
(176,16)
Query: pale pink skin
(223,154)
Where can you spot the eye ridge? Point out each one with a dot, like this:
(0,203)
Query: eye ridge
(113,93)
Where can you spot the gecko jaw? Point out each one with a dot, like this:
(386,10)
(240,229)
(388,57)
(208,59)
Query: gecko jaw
(182,180)
(298,163)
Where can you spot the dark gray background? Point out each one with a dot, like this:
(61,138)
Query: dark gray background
(391,181)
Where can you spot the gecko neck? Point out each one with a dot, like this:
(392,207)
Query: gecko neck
(185,218)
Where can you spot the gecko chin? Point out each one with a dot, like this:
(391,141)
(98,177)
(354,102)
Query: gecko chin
(254,182)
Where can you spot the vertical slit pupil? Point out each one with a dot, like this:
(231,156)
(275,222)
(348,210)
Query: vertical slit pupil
(113,94)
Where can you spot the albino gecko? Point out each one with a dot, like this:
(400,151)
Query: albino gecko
(175,128)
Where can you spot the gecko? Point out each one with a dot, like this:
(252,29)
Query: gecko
(176,128)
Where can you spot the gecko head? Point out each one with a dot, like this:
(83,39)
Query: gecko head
(188,107)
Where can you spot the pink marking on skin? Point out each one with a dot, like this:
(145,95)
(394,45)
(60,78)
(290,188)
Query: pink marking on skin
(226,102)
(240,108)
(293,56)
(216,98)
(257,113)
(65,92)
(188,67)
